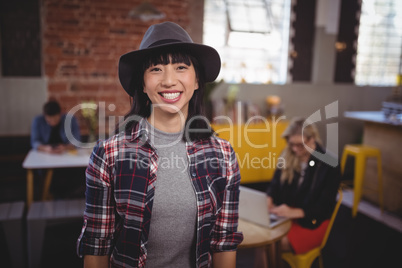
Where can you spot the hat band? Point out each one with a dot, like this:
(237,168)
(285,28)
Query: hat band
(164,41)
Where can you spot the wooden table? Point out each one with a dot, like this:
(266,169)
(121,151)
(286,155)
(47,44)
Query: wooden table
(41,160)
(258,236)
(386,135)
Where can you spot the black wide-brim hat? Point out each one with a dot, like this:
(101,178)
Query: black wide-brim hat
(164,36)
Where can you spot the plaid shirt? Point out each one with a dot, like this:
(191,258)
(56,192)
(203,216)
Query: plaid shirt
(121,178)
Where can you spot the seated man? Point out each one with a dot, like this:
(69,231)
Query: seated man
(48,133)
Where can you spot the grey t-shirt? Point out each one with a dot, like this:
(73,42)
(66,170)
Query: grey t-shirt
(172,233)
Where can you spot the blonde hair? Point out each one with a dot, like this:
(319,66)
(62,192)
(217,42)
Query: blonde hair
(292,162)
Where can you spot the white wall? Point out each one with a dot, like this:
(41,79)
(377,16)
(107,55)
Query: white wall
(21,100)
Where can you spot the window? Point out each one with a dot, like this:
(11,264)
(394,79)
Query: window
(20,38)
(251,37)
(379,45)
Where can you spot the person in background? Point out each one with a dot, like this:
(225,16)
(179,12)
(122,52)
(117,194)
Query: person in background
(163,191)
(305,189)
(48,133)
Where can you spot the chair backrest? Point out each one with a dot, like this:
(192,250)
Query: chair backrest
(331,221)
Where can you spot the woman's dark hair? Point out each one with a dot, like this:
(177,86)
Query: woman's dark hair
(51,108)
(141,104)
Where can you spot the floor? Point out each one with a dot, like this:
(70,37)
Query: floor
(370,240)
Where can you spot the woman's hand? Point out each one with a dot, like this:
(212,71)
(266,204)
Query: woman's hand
(288,212)
(270,203)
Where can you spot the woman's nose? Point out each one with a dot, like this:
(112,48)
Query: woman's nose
(169,78)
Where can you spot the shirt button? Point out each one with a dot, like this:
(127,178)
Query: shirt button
(194,175)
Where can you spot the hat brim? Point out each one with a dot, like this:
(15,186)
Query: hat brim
(131,62)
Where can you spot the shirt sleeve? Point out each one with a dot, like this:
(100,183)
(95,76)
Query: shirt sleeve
(70,131)
(225,236)
(97,234)
(35,133)
(75,129)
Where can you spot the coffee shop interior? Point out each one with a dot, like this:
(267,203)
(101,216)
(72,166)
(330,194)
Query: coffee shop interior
(336,62)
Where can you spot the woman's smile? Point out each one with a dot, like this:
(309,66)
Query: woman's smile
(170,96)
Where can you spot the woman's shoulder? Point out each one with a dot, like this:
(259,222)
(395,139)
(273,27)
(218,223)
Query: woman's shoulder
(325,158)
(113,142)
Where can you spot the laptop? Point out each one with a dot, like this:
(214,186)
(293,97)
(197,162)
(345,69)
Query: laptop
(253,207)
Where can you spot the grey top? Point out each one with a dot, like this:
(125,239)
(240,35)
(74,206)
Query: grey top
(172,233)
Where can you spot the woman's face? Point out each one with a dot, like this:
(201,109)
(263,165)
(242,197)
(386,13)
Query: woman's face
(298,143)
(170,88)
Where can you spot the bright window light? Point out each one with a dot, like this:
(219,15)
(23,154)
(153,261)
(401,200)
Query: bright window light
(251,37)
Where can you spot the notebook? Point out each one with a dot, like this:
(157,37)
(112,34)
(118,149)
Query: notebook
(253,207)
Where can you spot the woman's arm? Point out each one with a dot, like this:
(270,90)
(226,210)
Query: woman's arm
(36,140)
(225,259)
(225,237)
(288,212)
(96,238)
(274,188)
(91,261)
(270,203)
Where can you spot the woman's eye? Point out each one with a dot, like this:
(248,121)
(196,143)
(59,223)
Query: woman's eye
(182,67)
(154,69)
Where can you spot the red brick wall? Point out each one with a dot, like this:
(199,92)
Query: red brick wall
(82,43)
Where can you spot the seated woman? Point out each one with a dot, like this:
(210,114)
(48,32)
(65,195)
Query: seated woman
(304,189)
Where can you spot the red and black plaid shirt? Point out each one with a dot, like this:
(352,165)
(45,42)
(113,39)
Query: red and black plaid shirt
(120,182)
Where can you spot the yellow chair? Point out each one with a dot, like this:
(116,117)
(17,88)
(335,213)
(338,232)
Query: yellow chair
(306,260)
(361,153)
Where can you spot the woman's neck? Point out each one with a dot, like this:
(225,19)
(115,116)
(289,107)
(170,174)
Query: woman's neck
(167,123)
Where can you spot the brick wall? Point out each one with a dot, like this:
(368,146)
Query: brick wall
(82,42)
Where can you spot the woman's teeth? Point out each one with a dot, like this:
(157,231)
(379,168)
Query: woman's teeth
(170,96)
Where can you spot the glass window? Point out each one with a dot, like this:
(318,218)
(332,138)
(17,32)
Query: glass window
(251,37)
(379,45)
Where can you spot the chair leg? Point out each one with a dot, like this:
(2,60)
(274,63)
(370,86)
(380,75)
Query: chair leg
(380,184)
(343,162)
(321,262)
(358,182)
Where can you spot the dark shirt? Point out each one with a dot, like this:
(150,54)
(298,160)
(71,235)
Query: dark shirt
(316,195)
(55,137)
(41,131)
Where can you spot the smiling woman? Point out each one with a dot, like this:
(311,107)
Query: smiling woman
(159,165)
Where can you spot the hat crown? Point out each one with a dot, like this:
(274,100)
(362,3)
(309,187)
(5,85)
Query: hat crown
(164,33)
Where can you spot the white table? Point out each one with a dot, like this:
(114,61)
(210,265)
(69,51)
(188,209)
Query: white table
(41,160)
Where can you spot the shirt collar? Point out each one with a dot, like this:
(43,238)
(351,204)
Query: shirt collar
(140,131)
